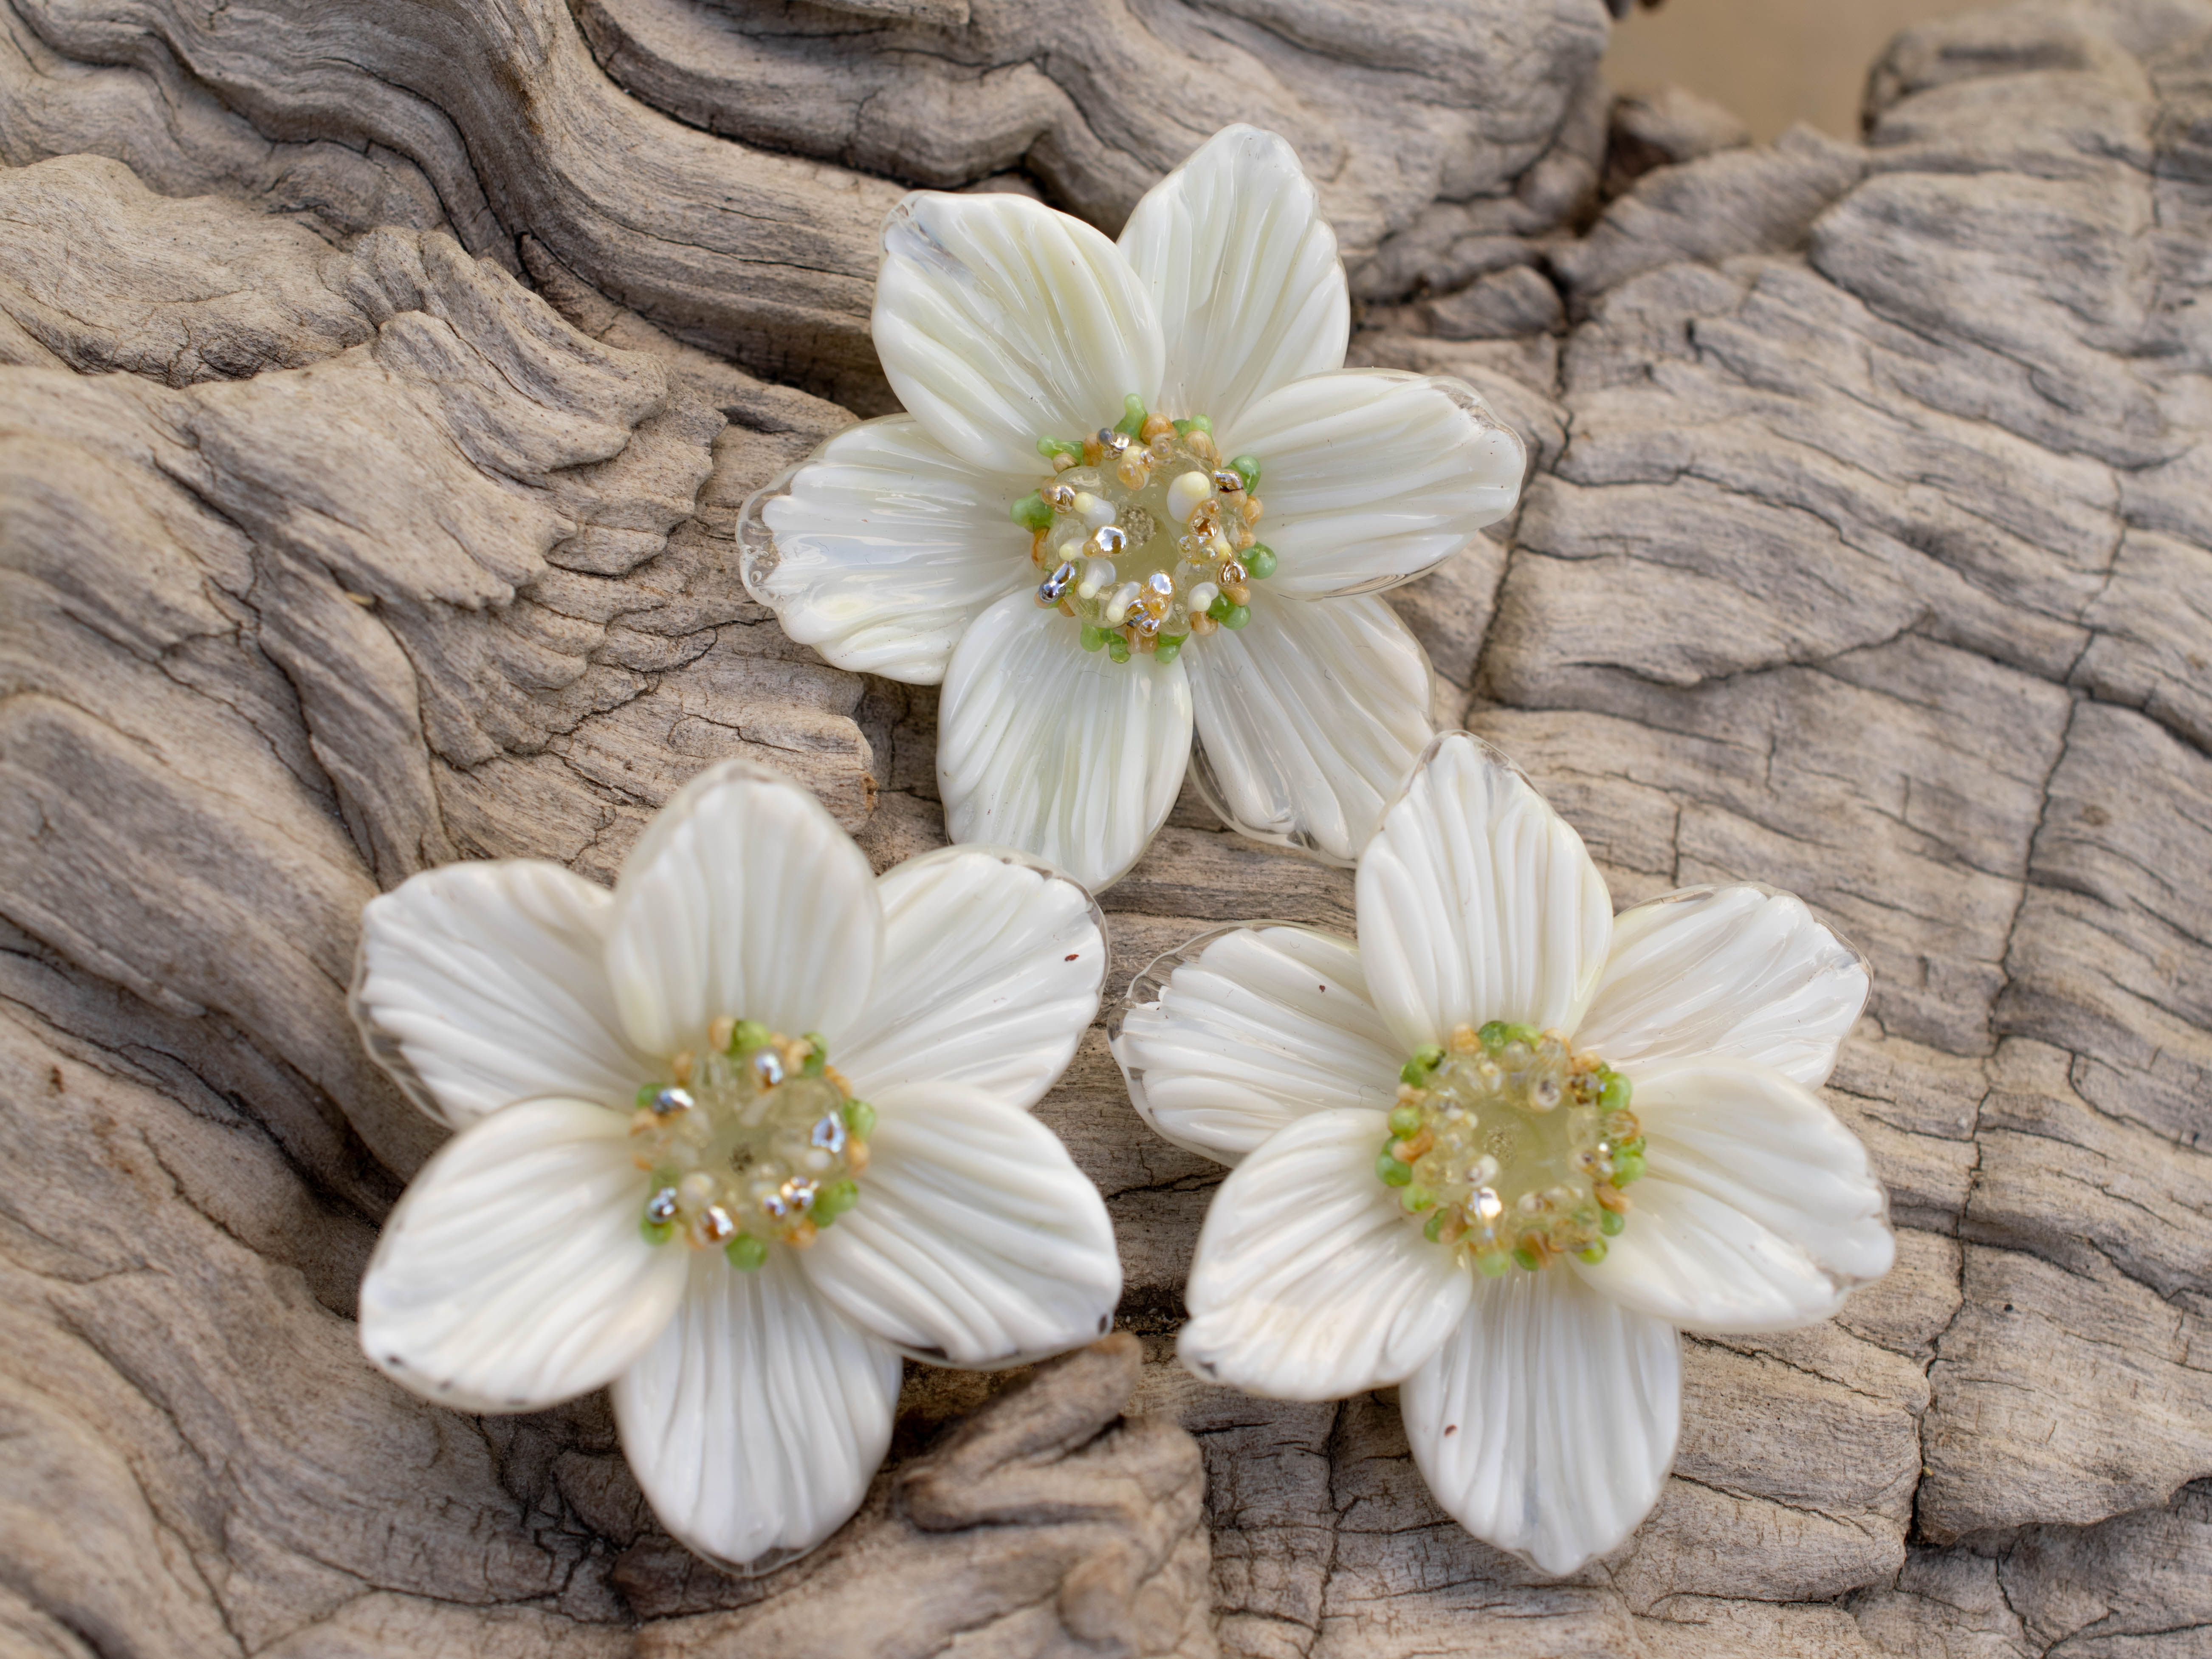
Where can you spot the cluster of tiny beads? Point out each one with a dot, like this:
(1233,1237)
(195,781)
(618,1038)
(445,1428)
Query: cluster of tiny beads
(1144,534)
(758,1138)
(1510,1146)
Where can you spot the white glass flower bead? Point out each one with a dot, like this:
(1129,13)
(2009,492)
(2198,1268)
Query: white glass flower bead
(1501,1147)
(1135,492)
(732,1138)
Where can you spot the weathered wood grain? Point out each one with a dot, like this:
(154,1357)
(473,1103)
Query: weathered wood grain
(379,386)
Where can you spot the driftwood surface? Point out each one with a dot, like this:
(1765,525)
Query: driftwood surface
(382,384)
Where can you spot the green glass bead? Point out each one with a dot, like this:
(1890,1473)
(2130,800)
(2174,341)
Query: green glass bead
(1259,561)
(1391,1172)
(1610,1223)
(1247,467)
(1593,1252)
(1415,1199)
(1196,422)
(1526,1257)
(745,1253)
(817,1056)
(749,1035)
(1527,1034)
(1434,1225)
(1167,650)
(1118,649)
(1428,1056)
(834,1201)
(1626,1167)
(656,1232)
(860,1119)
(1133,417)
(1237,616)
(1492,1034)
(1414,1072)
(1405,1120)
(646,1093)
(1092,636)
(1614,1096)
(1222,605)
(1030,512)
(1493,1263)
(1050,447)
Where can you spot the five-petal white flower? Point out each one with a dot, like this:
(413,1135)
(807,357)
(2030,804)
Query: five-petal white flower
(526,1006)
(1000,324)
(1542,1405)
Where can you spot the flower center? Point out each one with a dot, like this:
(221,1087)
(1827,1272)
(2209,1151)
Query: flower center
(1144,534)
(758,1139)
(1512,1146)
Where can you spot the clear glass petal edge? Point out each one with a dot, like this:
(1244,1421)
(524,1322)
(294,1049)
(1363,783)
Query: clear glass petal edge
(1037,865)
(1145,989)
(1294,838)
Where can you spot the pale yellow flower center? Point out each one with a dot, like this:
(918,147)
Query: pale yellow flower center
(756,1140)
(1511,1145)
(1143,535)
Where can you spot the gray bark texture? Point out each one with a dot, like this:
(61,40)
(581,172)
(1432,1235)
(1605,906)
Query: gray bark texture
(381,382)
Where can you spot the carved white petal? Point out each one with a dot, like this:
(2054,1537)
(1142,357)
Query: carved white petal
(1477,901)
(976,1240)
(481,984)
(742,898)
(999,321)
(1737,973)
(1370,477)
(756,1421)
(1256,1028)
(1058,751)
(1759,1211)
(1242,272)
(1310,1282)
(886,548)
(993,964)
(1309,719)
(1547,1423)
(512,1274)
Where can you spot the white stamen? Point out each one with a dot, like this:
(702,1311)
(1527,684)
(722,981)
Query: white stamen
(1185,493)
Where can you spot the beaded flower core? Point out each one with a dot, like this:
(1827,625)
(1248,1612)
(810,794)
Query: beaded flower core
(1512,1146)
(1144,534)
(758,1139)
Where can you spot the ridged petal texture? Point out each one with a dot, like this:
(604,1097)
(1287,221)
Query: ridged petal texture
(1061,752)
(1547,1423)
(1725,974)
(743,897)
(1759,1211)
(886,548)
(1309,1283)
(1242,272)
(512,1274)
(1477,901)
(756,1420)
(991,974)
(976,1240)
(481,984)
(999,321)
(1371,477)
(1254,1028)
(1309,719)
